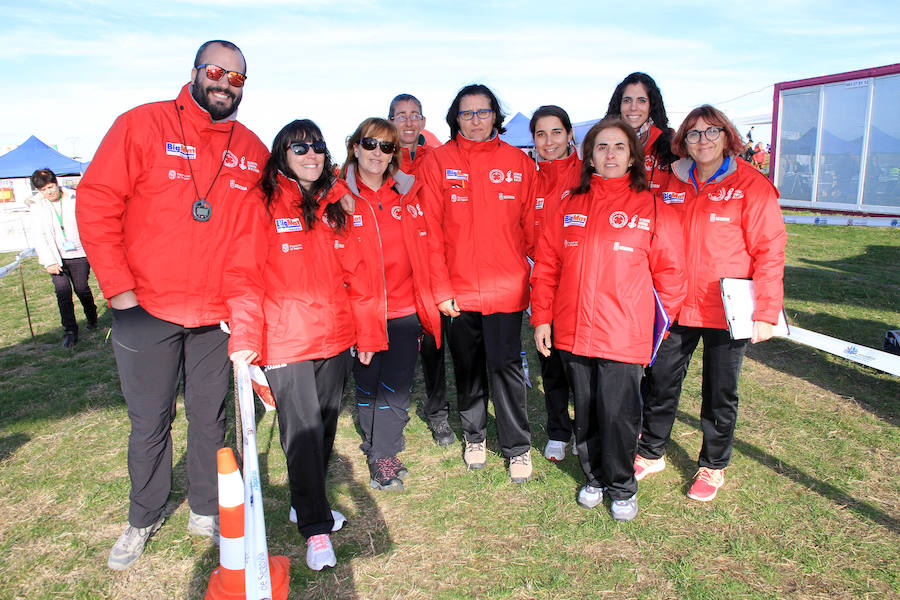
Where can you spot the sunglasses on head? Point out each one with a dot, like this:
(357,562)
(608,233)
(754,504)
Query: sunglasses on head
(369,143)
(301,148)
(215,73)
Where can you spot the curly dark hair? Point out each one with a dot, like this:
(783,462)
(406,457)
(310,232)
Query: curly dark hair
(301,130)
(662,147)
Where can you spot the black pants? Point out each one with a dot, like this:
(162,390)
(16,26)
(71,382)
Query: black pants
(74,274)
(154,357)
(436,407)
(383,388)
(556,396)
(308,394)
(722,358)
(485,346)
(607,420)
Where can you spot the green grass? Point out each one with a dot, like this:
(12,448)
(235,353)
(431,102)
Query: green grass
(810,509)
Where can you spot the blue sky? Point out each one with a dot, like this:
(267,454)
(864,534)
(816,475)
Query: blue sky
(71,67)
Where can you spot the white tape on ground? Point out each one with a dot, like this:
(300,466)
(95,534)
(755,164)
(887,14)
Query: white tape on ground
(883,361)
(842,220)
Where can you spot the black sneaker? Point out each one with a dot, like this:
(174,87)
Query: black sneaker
(442,434)
(70,340)
(384,475)
(91,325)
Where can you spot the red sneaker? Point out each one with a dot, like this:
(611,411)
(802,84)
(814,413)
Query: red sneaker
(706,483)
(646,466)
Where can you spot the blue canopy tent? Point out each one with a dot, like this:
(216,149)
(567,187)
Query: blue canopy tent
(518,133)
(35,154)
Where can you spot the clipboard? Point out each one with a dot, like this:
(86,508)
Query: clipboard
(739,303)
(660,325)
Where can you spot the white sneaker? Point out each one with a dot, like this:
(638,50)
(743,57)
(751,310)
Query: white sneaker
(319,552)
(339,519)
(590,496)
(625,510)
(555,450)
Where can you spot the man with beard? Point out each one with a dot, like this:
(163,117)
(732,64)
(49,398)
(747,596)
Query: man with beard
(161,211)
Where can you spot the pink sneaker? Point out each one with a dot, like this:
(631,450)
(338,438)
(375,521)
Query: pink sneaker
(706,484)
(646,466)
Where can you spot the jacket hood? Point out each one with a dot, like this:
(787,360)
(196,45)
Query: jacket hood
(682,169)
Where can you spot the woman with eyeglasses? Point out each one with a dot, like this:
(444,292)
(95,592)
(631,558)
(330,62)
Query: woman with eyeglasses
(732,227)
(311,303)
(559,170)
(599,258)
(639,102)
(389,224)
(478,198)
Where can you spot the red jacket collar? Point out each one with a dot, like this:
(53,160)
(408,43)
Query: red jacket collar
(193,114)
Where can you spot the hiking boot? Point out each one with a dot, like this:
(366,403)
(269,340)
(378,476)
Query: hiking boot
(706,484)
(647,466)
(70,340)
(475,455)
(590,496)
(625,510)
(384,475)
(91,325)
(130,545)
(205,525)
(320,552)
(399,469)
(442,434)
(520,468)
(555,450)
(338,518)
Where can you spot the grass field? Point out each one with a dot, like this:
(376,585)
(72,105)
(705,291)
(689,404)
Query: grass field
(810,508)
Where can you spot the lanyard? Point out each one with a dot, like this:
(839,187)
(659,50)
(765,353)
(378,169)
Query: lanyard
(59,214)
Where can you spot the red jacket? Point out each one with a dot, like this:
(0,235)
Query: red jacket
(657,175)
(553,178)
(596,266)
(415,242)
(409,165)
(732,228)
(134,208)
(478,199)
(312,293)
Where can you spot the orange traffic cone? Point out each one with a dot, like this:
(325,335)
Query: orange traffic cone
(227,580)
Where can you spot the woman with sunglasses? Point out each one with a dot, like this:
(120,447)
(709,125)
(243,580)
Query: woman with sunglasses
(478,197)
(599,259)
(559,170)
(388,221)
(639,102)
(732,227)
(311,303)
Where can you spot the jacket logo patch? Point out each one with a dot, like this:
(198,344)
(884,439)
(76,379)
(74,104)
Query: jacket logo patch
(456,198)
(570,244)
(618,219)
(620,248)
(510,176)
(456,175)
(648,163)
(229,159)
(721,195)
(236,186)
(357,221)
(496,175)
(395,212)
(182,150)
(539,204)
(291,247)
(673,197)
(714,218)
(173,174)
(286,225)
(411,210)
(503,196)
(575,220)
(338,245)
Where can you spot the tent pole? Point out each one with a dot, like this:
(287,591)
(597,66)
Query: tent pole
(25,296)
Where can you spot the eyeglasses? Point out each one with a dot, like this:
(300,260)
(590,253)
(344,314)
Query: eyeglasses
(215,73)
(481,113)
(301,148)
(711,134)
(415,118)
(369,143)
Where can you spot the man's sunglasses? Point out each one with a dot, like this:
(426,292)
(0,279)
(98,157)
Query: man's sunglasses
(369,143)
(215,73)
(301,148)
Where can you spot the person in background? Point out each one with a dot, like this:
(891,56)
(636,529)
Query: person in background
(559,170)
(161,211)
(639,102)
(59,251)
(732,227)
(478,198)
(388,222)
(405,113)
(599,259)
(307,304)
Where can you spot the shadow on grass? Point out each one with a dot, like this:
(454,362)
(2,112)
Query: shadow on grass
(10,443)
(864,280)
(878,394)
(824,489)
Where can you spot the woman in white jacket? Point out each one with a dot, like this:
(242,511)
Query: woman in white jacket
(59,251)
